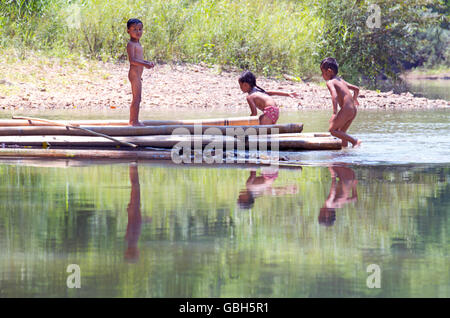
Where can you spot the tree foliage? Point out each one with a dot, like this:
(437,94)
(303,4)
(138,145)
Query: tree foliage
(268,37)
(368,53)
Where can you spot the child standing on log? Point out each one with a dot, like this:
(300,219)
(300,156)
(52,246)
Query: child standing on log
(137,64)
(260,99)
(340,94)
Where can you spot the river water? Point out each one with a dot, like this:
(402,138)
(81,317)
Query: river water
(434,89)
(156,229)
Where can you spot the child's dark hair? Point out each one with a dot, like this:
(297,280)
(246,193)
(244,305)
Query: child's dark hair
(330,62)
(249,78)
(246,203)
(327,216)
(133,21)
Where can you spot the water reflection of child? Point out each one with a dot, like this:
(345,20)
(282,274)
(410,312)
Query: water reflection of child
(339,193)
(134,217)
(261,185)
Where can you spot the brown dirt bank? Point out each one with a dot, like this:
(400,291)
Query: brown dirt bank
(52,84)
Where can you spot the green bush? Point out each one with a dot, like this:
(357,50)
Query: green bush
(266,36)
(368,54)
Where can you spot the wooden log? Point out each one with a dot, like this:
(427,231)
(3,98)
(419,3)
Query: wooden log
(301,135)
(83,154)
(232,121)
(82,157)
(150,130)
(300,141)
(159,141)
(74,161)
(319,143)
(77,128)
(169,141)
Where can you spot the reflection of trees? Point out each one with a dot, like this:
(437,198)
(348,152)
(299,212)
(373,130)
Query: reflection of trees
(341,193)
(434,222)
(203,247)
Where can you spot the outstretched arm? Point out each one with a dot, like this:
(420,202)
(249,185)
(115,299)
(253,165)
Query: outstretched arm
(293,94)
(135,61)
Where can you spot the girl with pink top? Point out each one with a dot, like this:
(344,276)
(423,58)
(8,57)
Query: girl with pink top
(258,98)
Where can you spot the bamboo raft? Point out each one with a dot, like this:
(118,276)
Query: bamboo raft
(234,121)
(24,137)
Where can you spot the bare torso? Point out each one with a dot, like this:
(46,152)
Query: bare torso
(136,70)
(342,119)
(262,100)
(344,96)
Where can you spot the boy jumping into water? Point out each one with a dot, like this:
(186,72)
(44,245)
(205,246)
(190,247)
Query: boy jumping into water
(137,64)
(340,94)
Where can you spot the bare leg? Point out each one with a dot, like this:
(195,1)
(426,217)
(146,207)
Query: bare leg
(136,89)
(345,128)
(339,122)
(344,143)
(345,137)
(134,216)
(358,141)
(265,120)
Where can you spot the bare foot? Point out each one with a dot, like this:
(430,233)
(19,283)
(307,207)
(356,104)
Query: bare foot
(137,123)
(358,143)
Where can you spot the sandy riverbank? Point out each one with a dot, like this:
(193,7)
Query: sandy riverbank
(52,84)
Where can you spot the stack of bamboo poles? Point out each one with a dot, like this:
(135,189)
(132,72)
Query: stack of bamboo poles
(72,138)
